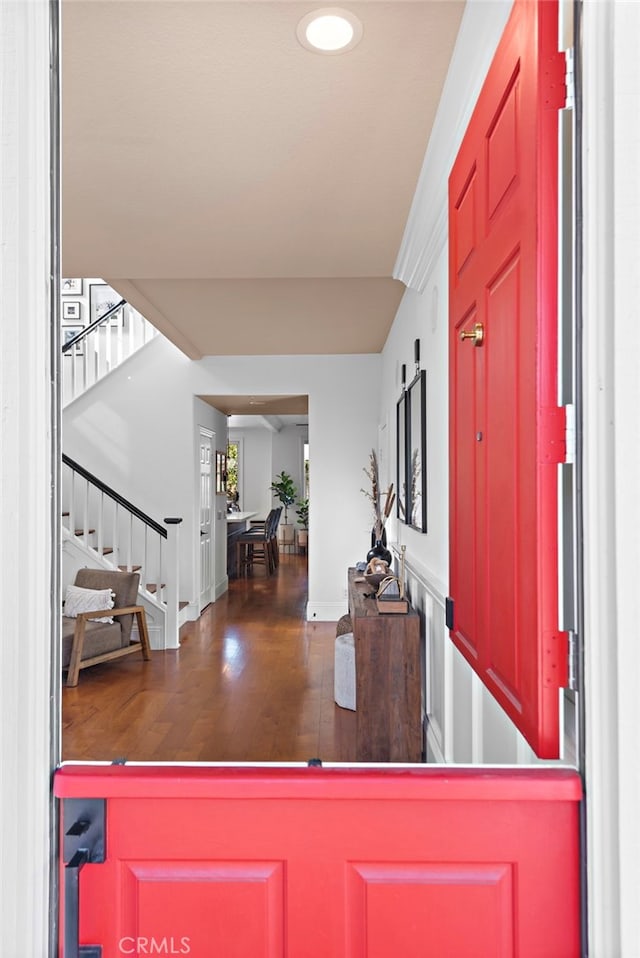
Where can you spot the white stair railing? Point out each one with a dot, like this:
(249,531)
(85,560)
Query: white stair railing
(121,536)
(92,352)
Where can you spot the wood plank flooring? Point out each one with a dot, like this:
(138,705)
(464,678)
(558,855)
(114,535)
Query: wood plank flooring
(251,682)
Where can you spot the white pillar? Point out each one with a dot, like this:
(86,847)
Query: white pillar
(26,442)
(611,360)
(171,570)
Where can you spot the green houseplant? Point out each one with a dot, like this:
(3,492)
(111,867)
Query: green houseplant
(284,489)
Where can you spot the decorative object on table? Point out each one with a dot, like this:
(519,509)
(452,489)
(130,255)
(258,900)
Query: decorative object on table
(390,596)
(377,570)
(284,489)
(381,510)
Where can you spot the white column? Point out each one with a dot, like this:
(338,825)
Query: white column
(26,440)
(627,462)
(611,289)
(171,572)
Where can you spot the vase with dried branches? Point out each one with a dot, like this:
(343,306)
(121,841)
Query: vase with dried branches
(382,504)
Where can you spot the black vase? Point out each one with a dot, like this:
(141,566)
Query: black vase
(379,551)
(375,538)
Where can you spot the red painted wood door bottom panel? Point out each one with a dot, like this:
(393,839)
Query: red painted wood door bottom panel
(331,863)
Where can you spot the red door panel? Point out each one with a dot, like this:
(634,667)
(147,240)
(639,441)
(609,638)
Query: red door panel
(331,863)
(506,431)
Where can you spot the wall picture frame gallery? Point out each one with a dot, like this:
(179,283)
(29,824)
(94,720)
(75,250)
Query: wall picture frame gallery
(411,437)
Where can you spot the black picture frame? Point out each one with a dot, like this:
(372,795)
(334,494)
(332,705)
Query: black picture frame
(417,453)
(72,310)
(402,458)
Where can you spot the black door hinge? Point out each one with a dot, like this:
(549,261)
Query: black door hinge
(84,825)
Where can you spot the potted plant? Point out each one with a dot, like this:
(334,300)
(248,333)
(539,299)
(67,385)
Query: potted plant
(284,489)
(302,513)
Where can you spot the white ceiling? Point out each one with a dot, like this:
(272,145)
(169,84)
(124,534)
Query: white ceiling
(245,194)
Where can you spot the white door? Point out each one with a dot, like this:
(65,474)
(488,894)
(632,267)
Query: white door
(206,517)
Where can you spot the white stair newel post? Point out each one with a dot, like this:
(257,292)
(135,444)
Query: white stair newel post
(172,579)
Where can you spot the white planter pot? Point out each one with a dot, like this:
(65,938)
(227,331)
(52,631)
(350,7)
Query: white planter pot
(285,534)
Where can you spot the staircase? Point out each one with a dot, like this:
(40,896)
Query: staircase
(100,527)
(90,352)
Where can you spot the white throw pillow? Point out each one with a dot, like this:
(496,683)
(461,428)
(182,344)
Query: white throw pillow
(88,600)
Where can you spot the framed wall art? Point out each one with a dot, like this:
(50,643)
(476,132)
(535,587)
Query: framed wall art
(402,412)
(71,286)
(101,299)
(221,472)
(69,333)
(71,309)
(416,453)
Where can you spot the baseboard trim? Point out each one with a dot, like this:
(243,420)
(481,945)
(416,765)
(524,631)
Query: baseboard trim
(433,747)
(325,611)
(156,636)
(221,587)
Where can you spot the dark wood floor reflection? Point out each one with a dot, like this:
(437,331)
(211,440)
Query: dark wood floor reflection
(252,681)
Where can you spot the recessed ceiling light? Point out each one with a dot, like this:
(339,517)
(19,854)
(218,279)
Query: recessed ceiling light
(329,30)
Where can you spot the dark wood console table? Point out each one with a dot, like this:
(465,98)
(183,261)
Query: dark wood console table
(388,680)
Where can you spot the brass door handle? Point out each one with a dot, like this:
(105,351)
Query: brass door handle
(476,335)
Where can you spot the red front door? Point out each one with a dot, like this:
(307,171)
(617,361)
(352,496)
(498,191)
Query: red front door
(324,863)
(506,430)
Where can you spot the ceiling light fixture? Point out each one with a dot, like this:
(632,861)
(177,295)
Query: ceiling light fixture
(329,30)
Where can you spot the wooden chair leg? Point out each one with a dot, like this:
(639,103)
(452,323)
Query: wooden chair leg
(143,632)
(76,652)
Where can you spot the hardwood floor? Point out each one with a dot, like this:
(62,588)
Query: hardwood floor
(252,681)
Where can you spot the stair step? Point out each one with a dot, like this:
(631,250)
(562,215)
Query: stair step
(81,532)
(134,568)
(153,587)
(182,605)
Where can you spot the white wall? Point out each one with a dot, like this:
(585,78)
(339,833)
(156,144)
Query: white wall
(136,430)
(287,456)
(255,470)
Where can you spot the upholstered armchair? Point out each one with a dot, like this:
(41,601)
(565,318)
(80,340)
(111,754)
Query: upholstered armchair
(102,634)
